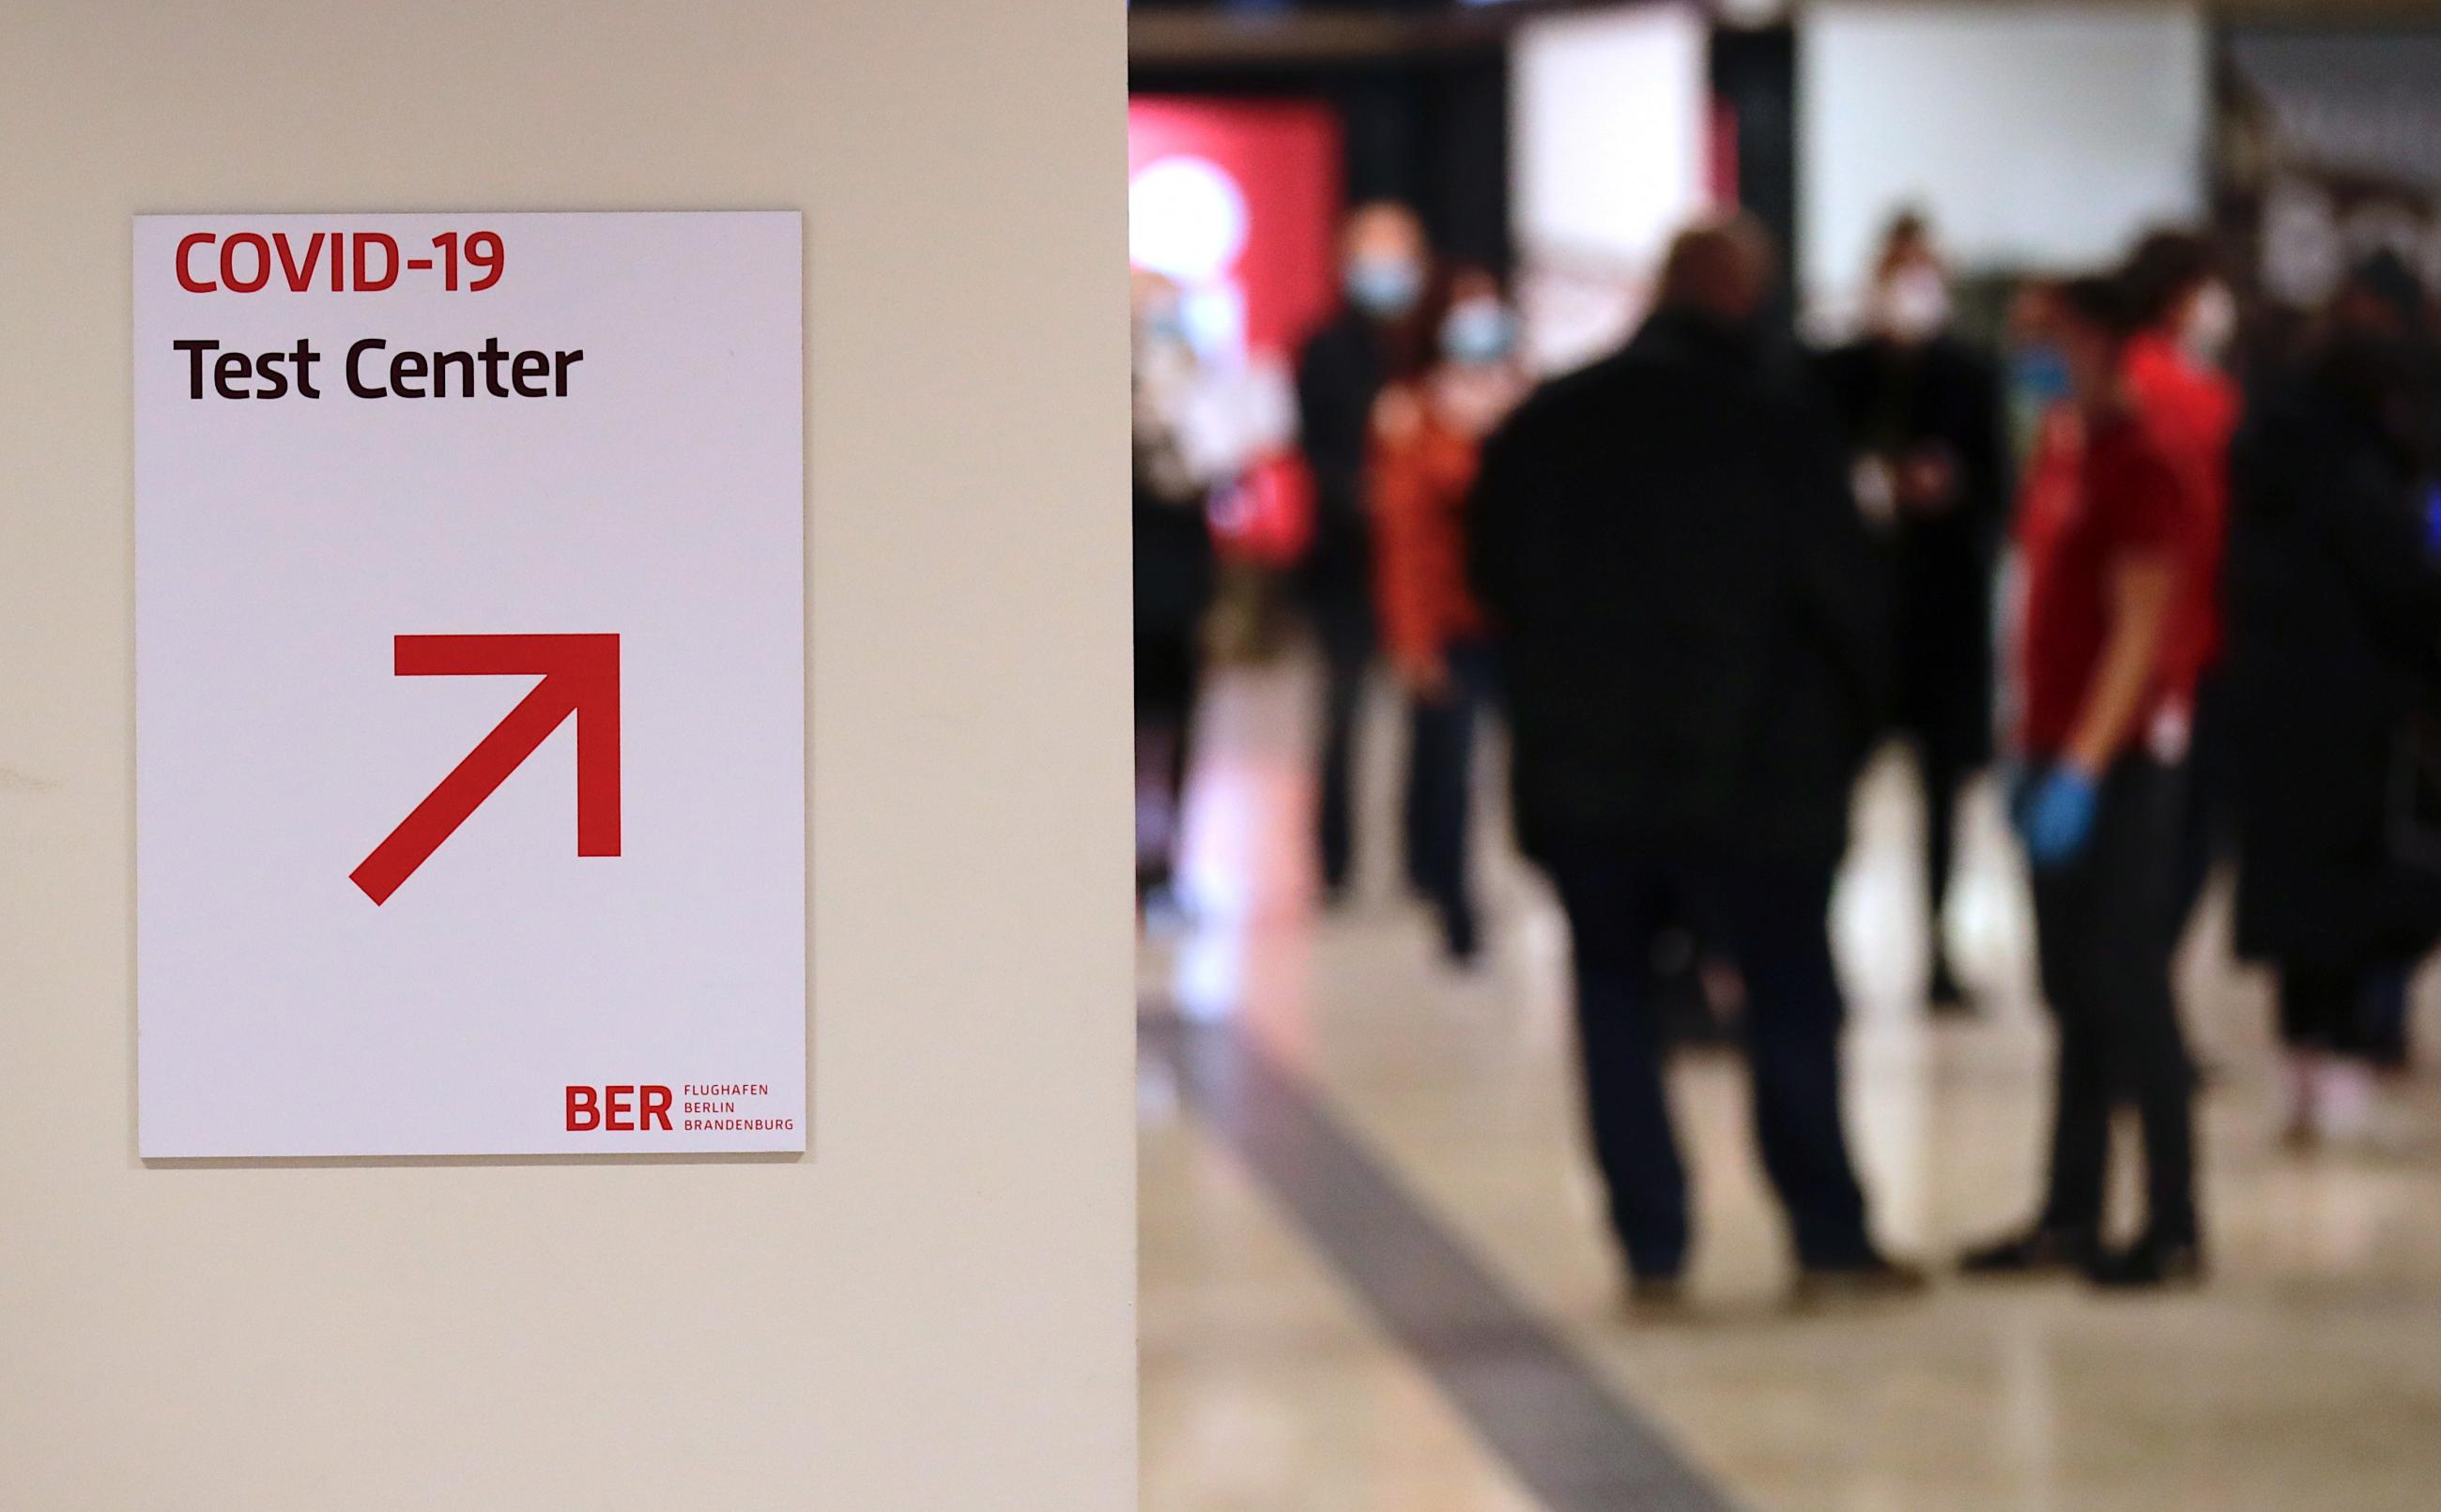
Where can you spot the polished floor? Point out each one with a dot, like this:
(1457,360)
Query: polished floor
(1342,1142)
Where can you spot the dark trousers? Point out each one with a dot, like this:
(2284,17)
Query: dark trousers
(2388,1011)
(2204,820)
(1169,675)
(2105,938)
(1440,792)
(1775,923)
(1343,626)
(2356,1009)
(1944,764)
(1941,698)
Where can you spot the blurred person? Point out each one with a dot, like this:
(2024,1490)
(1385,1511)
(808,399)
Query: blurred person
(2389,1008)
(1686,615)
(1922,412)
(1385,266)
(2098,808)
(1428,430)
(2035,376)
(2335,664)
(2050,460)
(1173,573)
(2188,319)
(2049,433)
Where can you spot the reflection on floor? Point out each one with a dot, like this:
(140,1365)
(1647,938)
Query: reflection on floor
(2307,1374)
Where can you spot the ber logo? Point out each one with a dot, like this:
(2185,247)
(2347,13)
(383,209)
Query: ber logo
(618,1110)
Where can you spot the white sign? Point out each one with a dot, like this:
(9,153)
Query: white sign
(470,684)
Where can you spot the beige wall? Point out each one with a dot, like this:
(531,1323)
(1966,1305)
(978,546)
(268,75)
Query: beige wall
(935,1309)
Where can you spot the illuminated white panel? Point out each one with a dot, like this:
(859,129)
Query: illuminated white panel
(1609,133)
(1186,218)
(2041,136)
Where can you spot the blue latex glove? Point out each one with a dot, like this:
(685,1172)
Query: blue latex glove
(2055,816)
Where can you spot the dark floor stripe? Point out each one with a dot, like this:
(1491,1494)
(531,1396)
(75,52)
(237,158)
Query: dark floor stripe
(1526,1394)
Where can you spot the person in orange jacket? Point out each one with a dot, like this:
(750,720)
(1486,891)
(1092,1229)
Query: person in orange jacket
(1427,432)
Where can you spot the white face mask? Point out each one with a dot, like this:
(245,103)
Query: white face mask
(2211,324)
(1913,304)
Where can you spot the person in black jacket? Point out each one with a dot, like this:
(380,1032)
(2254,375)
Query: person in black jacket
(1173,576)
(1340,375)
(2334,589)
(1921,410)
(1686,615)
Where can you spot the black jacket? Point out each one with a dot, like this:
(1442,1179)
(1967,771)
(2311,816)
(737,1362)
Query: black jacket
(2334,601)
(1688,603)
(1890,400)
(1173,562)
(1173,534)
(1340,374)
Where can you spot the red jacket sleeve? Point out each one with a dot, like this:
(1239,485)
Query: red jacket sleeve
(1418,481)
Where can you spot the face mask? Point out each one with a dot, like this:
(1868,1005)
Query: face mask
(1478,331)
(1914,305)
(2211,324)
(1384,287)
(1166,323)
(2040,373)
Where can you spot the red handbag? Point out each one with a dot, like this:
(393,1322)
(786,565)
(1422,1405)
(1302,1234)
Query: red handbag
(1266,516)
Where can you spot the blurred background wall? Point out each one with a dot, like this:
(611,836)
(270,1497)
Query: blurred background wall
(1557,140)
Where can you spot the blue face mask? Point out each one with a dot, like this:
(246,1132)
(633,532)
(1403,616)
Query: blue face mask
(1168,324)
(2040,373)
(1478,330)
(1385,288)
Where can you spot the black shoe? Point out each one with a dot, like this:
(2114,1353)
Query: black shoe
(2150,1262)
(1461,938)
(1944,997)
(1875,1278)
(2038,1251)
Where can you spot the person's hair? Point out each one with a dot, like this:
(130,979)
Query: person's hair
(1722,267)
(1909,230)
(2385,280)
(2100,300)
(2164,268)
(2377,346)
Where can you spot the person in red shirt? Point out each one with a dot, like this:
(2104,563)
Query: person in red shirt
(1427,437)
(2103,684)
(2189,318)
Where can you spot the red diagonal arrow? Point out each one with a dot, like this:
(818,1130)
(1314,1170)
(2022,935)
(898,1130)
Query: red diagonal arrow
(580,677)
